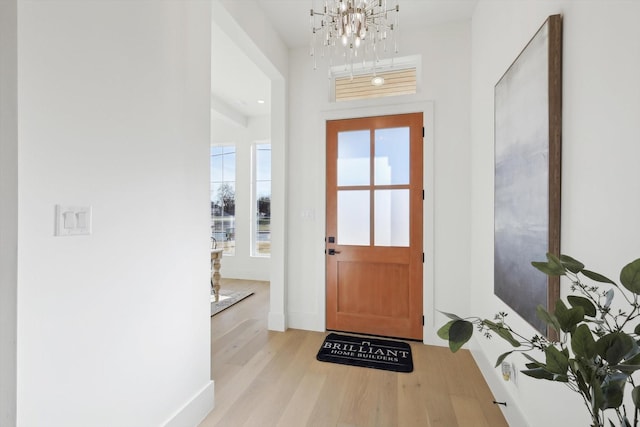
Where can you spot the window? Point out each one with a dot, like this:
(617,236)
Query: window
(223,197)
(262,200)
(366,86)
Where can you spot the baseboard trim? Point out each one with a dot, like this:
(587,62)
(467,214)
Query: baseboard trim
(277,322)
(306,321)
(195,410)
(511,412)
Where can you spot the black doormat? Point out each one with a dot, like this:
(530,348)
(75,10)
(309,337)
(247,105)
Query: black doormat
(366,352)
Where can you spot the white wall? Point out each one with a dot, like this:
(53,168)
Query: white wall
(242,265)
(265,47)
(114,113)
(445,91)
(600,186)
(8,209)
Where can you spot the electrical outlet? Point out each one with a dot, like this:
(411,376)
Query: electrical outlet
(506,371)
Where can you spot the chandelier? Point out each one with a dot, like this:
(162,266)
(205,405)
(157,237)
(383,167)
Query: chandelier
(359,32)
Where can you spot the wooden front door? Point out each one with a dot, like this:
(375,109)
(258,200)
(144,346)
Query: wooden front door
(374,252)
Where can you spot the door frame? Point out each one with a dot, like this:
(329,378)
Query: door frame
(428,273)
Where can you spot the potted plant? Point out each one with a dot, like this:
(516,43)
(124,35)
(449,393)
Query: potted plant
(596,354)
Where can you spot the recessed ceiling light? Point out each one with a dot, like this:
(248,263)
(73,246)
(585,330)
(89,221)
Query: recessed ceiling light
(377,81)
(260,101)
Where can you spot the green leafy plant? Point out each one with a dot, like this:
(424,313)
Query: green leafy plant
(597,352)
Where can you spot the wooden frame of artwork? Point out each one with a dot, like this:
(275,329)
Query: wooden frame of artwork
(528,135)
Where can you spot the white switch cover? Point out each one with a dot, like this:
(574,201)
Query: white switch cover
(73,220)
(308,214)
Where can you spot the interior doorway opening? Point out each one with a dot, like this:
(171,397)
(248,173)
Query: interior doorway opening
(225,27)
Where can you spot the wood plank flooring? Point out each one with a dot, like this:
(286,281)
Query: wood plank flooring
(265,378)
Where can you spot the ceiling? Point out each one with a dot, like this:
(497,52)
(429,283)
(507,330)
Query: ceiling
(238,84)
(291,17)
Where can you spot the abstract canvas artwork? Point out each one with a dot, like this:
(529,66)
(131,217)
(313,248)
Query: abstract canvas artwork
(528,106)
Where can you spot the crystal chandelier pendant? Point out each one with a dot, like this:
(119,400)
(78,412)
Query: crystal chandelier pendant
(352,30)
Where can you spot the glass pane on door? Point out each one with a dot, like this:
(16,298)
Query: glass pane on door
(353,218)
(354,154)
(392,156)
(391,218)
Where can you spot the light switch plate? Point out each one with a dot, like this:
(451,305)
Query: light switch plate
(73,220)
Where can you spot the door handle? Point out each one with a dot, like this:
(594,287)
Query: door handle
(333,252)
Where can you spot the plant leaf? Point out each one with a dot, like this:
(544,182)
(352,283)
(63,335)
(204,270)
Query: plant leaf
(614,346)
(577,301)
(582,342)
(582,383)
(635,396)
(568,318)
(538,373)
(560,307)
(633,360)
(561,378)
(627,368)
(555,262)
(598,277)
(534,363)
(635,351)
(451,315)
(547,318)
(557,362)
(502,332)
(571,264)
(609,298)
(552,267)
(613,394)
(546,269)
(502,357)
(443,332)
(597,396)
(630,276)
(459,333)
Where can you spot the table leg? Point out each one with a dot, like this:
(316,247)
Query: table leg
(215,278)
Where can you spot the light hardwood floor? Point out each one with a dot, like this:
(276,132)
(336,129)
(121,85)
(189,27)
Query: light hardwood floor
(265,378)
